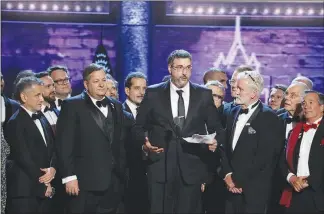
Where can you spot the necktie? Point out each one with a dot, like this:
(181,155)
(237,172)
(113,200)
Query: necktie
(137,110)
(293,119)
(59,102)
(102,103)
(36,116)
(181,110)
(307,127)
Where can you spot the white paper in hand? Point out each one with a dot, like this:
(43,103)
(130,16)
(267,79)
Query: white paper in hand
(200,139)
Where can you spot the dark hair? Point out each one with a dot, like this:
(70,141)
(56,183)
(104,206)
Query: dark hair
(320,96)
(178,54)
(210,71)
(90,69)
(130,76)
(280,87)
(25,83)
(51,69)
(42,74)
(22,74)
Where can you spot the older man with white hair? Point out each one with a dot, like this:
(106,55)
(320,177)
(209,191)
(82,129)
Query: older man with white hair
(304,80)
(254,141)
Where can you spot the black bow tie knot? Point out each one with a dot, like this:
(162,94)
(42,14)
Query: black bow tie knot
(244,111)
(36,116)
(102,103)
(59,102)
(292,119)
(50,108)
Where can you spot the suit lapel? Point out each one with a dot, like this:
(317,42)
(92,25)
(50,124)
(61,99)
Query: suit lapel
(318,137)
(8,108)
(236,114)
(193,102)
(114,112)
(95,113)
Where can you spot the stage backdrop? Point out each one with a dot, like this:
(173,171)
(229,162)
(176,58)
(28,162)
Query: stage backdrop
(279,53)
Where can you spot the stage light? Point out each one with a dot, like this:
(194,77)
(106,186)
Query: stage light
(234,10)
(310,12)
(66,7)
(322,12)
(179,10)
(44,7)
(88,8)
(20,6)
(32,7)
(210,10)
(254,11)
(300,11)
(55,7)
(265,11)
(277,11)
(9,6)
(98,8)
(200,10)
(221,10)
(77,8)
(289,11)
(243,11)
(189,10)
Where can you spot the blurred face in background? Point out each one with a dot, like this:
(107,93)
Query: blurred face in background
(62,83)
(293,99)
(276,98)
(218,95)
(111,89)
(2,82)
(136,91)
(49,90)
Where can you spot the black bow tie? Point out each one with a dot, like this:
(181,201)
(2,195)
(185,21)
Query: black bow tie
(51,108)
(36,116)
(59,102)
(244,111)
(292,119)
(102,103)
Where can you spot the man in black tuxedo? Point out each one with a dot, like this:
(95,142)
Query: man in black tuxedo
(8,106)
(170,111)
(249,156)
(90,146)
(303,161)
(136,194)
(32,161)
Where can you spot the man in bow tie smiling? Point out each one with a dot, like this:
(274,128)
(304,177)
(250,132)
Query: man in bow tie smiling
(90,146)
(303,162)
(254,141)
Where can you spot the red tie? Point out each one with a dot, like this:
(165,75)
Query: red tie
(307,127)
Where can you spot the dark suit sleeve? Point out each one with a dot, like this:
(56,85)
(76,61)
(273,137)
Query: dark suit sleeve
(20,151)
(65,138)
(142,119)
(270,144)
(225,166)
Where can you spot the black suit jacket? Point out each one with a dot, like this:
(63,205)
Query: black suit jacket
(28,153)
(155,117)
(11,107)
(85,148)
(315,164)
(255,155)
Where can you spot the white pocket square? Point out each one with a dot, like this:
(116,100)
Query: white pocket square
(251,130)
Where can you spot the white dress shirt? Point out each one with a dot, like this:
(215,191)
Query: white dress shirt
(56,101)
(50,116)
(132,107)
(3,110)
(174,97)
(241,121)
(37,122)
(289,127)
(305,147)
(104,111)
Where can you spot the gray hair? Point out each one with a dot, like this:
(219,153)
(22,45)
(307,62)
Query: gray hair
(320,96)
(178,54)
(109,77)
(302,85)
(215,83)
(305,80)
(255,79)
(24,84)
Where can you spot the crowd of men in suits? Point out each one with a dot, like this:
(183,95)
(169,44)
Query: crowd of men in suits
(90,153)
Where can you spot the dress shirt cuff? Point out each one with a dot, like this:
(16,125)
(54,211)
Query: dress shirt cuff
(289,176)
(69,178)
(227,175)
(145,153)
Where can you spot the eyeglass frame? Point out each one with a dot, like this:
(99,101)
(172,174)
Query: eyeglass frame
(62,81)
(188,68)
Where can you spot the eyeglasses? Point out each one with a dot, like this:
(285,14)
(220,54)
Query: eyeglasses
(63,81)
(250,77)
(218,96)
(181,68)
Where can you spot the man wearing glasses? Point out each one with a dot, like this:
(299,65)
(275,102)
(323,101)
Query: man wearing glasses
(62,84)
(170,111)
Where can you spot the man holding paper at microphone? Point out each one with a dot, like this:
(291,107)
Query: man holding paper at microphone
(169,112)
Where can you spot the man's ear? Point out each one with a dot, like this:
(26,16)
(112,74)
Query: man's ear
(127,91)
(85,84)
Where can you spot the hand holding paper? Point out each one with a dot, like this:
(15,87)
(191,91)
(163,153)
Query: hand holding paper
(201,139)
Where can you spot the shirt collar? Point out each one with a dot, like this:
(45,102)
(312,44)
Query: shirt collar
(185,89)
(317,121)
(30,113)
(131,105)
(252,106)
(95,100)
